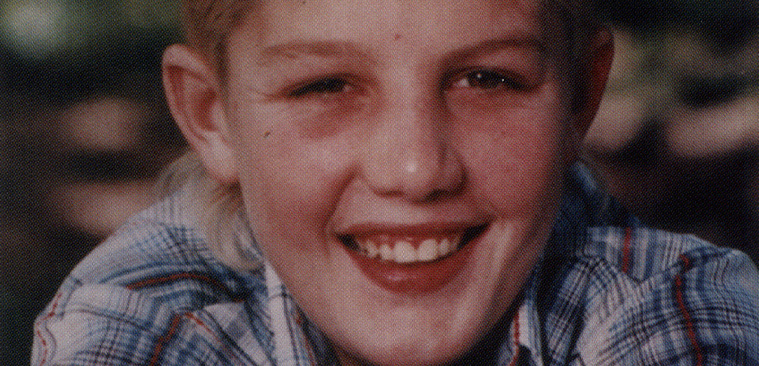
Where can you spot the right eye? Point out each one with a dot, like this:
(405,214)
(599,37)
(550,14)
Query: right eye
(322,87)
(487,80)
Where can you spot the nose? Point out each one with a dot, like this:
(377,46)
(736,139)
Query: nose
(408,152)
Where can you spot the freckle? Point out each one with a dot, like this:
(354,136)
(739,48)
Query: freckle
(397,37)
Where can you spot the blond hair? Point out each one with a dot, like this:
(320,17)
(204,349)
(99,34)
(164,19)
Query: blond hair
(207,26)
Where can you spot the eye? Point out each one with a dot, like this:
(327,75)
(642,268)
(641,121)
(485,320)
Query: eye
(488,80)
(322,87)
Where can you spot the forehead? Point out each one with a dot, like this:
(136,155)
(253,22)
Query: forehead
(277,21)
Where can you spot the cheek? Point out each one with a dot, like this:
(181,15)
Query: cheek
(289,184)
(287,209)
(516,164)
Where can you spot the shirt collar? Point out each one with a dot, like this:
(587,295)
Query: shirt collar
(296,340)
(525,329)
(583,205)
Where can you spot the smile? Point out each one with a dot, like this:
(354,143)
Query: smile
(410,249)
(413,262)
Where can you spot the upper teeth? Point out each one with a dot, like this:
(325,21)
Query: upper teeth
(407,249)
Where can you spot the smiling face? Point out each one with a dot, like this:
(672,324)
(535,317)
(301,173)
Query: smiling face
(400,162)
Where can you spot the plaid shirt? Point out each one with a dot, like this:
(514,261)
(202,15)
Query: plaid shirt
(607,291)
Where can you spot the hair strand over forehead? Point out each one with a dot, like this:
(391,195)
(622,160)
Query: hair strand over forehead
(208,23)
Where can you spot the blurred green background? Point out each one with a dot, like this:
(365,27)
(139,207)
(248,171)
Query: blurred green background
(83,134)
(72,44)
(84,131)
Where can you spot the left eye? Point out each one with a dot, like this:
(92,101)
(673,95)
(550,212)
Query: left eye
(324,86)
(487,80)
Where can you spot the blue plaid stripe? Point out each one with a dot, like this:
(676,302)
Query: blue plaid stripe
(607,291)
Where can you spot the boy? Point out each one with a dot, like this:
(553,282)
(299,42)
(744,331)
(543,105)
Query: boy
(392,183)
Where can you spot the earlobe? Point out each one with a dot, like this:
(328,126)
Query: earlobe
(194,97)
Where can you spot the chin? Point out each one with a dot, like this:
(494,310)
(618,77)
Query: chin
(393,352)
(430,332)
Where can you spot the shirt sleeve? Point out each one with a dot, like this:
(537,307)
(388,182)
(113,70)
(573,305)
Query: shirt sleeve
(105,324)
(98,325)
(702,311)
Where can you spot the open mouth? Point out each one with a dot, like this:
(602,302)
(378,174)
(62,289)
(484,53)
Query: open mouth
(409,249)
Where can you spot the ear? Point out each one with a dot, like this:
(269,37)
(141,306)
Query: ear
(601,54)
(195,99)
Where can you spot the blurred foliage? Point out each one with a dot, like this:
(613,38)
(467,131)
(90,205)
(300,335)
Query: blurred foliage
(727,23)
(61,48)
(63,28)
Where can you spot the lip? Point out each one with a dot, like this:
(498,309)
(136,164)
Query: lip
(420,277)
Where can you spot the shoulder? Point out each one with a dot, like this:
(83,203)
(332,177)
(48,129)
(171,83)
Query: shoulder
(160,251)
(613,292)
(142,295)
(655,295)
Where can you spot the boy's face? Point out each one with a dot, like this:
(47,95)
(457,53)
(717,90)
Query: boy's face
(400,163)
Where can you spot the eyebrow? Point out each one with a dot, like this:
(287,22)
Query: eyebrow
(324,49)
(487,46)
(345,49)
